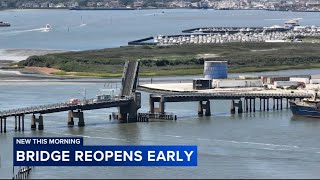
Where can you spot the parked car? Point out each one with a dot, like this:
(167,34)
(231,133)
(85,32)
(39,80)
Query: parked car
(73,101)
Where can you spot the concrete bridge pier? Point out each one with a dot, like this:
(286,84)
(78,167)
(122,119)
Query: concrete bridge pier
(205,106)
(78,114)
(22,117)
(250,109)
(3,126)
(129,113)
(70,119)
(200,108)
(20,120)
(151,105)
(254,104)
(246,102)
(35,120)
(234,105)
(240,109)
(233,109)
(274,104)
(260,103)
(15,123)
(162,106)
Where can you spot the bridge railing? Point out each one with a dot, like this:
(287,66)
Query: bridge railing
(60,105)
(242,95)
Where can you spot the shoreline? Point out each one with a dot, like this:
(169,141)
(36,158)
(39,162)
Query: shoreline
(154,8)
(32,72)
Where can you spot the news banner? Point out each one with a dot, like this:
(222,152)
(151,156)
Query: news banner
(70,151)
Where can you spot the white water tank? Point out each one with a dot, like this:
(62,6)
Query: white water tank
(215,69)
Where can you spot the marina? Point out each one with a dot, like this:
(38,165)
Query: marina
(291,31)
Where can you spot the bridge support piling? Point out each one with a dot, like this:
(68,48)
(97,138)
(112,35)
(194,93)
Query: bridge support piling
(250,105)
(246,104)
(15,123)
(19,123)
(0,125)
(260,104)
(233,109)
(240,110)
(254,105)
(22,119)
(264,104)
(33,122)
(268,104)
(274,104)
(81,120)
(200,108)
(281,103)
(72,115)
(208,110)
(277,103)
(70,119)
(205,106)
(161,106)
(4,125)
(40,121)
(287,103)
(151,104)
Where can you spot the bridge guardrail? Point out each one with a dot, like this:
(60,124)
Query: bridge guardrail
(31,109)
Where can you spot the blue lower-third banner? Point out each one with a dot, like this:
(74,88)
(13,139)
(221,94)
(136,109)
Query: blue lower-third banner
(69,151)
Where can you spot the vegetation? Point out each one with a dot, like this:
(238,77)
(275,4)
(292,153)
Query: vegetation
(182,59)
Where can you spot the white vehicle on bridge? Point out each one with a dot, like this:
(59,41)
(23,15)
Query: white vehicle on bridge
(102,98)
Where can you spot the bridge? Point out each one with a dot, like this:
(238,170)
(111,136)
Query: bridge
(245,99)
(128,102)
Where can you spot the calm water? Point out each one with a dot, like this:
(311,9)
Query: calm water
(270,144)
(79,30)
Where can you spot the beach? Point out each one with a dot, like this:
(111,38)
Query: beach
(10,56)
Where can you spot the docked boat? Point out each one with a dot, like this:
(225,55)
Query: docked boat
(4,24)
(309,107)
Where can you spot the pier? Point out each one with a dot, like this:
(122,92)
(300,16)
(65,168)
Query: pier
(230,30)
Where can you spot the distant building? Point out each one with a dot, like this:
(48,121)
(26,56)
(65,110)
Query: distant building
(60,5)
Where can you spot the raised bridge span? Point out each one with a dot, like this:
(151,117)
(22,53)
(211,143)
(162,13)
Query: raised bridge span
(128,102)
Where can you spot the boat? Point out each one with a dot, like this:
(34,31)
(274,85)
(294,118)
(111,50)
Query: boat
(308,107)
(4,24)
(47,28)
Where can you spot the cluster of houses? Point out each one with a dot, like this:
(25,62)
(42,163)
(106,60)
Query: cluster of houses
(299,5)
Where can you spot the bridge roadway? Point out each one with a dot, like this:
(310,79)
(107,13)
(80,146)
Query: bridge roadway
(185,97)
(249,100)
(88,104)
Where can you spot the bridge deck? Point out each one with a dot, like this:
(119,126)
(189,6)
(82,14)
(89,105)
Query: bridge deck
(185,97)
(89,104)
